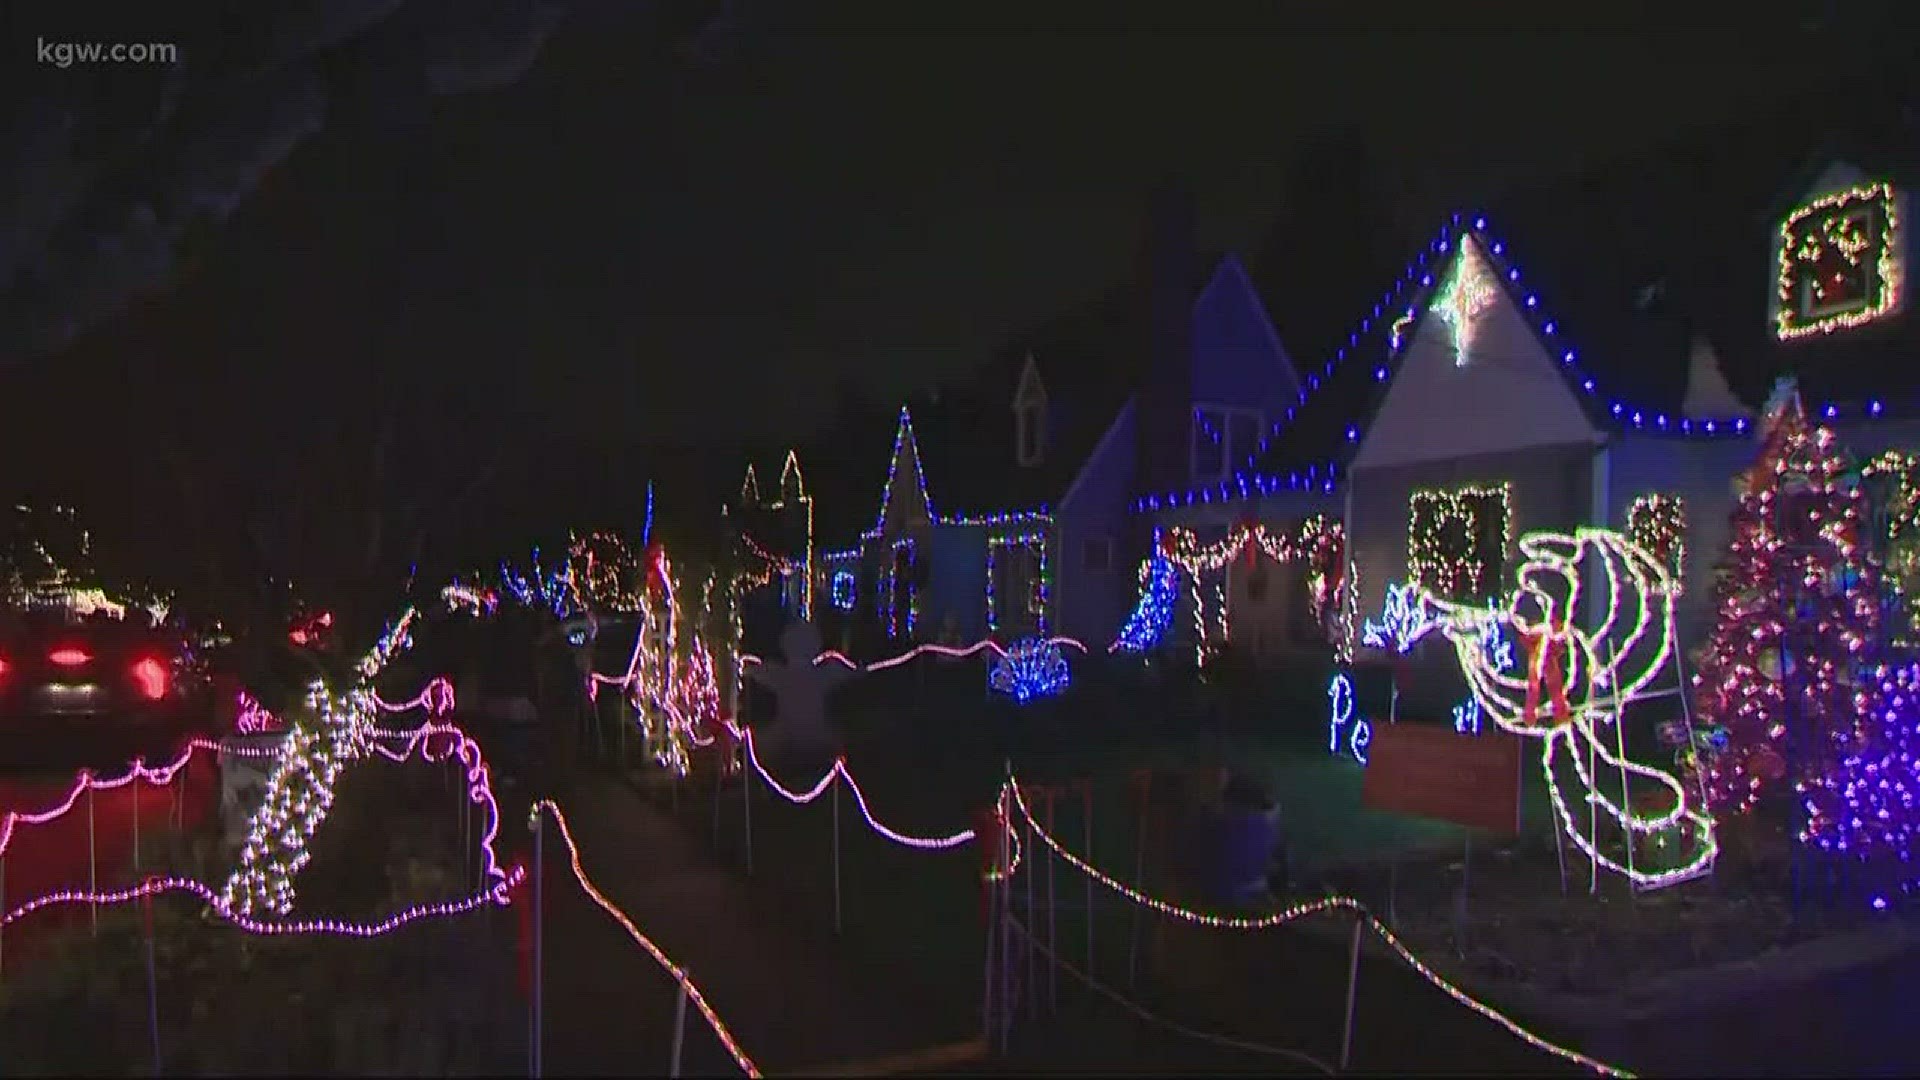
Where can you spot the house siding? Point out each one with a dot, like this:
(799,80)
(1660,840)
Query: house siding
(957,584)
(1552,488)
(1089,605)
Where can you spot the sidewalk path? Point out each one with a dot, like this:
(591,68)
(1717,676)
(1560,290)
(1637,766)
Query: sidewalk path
(789,998)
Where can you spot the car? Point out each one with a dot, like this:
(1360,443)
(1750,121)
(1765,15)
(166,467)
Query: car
(95,694)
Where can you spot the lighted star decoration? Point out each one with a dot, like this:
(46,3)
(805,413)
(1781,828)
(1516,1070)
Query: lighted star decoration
(1466,294)
(1618,644)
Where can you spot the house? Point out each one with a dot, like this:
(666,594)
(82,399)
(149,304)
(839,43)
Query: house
(1003,510)
(1594,353)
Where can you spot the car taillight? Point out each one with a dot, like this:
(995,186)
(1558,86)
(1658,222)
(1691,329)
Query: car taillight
(69,657)
(150,676)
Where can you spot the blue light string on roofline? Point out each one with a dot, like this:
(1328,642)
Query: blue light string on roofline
(1655,422)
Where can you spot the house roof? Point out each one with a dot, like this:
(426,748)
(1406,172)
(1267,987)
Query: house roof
(1626,270)
(846,471)
(1090,359)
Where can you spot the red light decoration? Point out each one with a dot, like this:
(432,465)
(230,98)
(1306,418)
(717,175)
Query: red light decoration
(150,676)
(70,657)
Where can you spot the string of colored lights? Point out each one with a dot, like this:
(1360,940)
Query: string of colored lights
(838,771)
(1293,913)
(252,718)
(1453,550)
(1031,669)
(479,791)
(1152,615)
(1837,226)
(496,894)
(1249,483)
(699,1000)
(984,644)
(1034,543)
(1319,543)
(1034,942)
(436,699)
(1658,523)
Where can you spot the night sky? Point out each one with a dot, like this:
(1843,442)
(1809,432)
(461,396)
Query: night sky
(652,237)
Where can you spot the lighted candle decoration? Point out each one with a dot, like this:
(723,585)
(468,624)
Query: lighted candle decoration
(1616,645)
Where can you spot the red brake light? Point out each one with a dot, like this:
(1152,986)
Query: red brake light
(69,657)
(150,676)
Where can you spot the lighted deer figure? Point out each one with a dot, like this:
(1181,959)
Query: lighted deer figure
(1592,651)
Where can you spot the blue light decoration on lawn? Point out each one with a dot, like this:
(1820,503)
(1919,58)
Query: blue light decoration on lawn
(1359,730)
(1866,808)
(549,589)
(1404,620)
(841,590)
(1030,669)
(1147,624)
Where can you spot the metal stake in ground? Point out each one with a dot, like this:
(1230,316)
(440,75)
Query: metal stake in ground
(1086,793)
(836,852)
(679,1026)
(534,1018)
(1053,910)
(135,788)
(990,887)
(1353,983)
(93,865)
(153,988)
(746,798)
(1030,987)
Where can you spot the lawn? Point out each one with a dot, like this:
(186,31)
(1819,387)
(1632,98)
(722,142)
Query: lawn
(929,748)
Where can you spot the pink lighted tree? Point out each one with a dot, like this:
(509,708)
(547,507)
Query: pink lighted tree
(1785,673)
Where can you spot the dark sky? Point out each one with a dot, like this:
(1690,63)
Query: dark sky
(634,239)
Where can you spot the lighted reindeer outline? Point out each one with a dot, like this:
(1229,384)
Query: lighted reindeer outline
(1547,605)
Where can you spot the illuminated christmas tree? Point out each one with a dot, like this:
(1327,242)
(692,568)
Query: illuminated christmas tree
(1785,673)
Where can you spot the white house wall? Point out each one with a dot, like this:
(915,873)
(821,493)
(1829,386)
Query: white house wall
(1508,395)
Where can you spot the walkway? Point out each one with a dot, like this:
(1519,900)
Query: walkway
(791,1001)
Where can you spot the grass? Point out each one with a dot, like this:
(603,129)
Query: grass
(929,749)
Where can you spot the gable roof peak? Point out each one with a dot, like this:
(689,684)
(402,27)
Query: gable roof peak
(1707,391)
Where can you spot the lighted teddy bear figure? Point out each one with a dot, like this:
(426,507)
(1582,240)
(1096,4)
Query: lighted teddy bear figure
(800,730)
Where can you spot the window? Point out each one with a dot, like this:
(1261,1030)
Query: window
(1029,417)
(1224,440)
(1097,554)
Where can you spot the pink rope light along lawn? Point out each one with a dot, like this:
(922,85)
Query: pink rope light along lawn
(839,771)
(455,743)
(916,652)
(699,1000)
(1287,915)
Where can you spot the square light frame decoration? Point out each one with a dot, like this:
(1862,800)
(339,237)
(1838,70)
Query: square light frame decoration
(1800,242)
(1657,523)
(1451,574)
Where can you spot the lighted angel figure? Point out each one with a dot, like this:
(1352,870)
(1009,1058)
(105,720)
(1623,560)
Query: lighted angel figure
(800,683)
(1591,651)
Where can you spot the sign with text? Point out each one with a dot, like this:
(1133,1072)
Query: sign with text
(1430,771)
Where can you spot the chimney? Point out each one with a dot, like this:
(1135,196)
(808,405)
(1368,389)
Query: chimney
(1163,410)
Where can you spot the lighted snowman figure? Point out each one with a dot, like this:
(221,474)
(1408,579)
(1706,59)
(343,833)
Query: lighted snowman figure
(1591,651)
